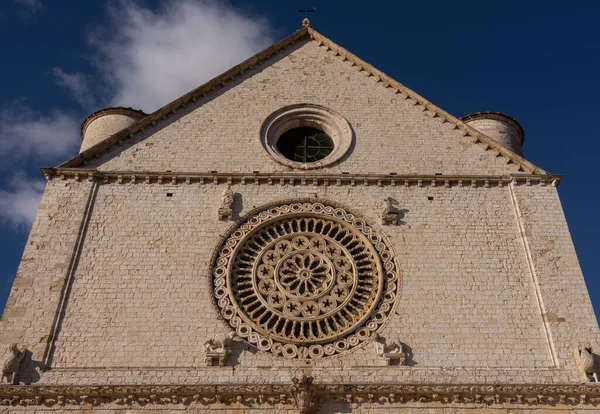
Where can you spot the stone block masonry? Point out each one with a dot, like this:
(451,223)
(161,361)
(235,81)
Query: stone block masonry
(140,297)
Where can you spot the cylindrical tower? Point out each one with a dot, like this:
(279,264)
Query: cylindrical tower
(103,123)
(501,128)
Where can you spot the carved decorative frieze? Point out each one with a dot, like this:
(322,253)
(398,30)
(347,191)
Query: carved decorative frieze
(305,280)
(279,396)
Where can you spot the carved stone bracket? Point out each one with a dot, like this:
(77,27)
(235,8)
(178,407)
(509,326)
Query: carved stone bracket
(216,358)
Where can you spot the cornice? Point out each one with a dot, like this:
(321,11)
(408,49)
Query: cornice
(265,395)
(307,178)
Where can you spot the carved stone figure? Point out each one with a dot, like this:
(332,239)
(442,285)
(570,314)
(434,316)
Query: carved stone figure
(12,364)
(217,349)
(393,352)
(388,213)
(586,363)
(225,211)
(302,392)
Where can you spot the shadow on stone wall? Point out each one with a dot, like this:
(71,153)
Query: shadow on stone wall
(409,355)
(236,352)
(238,206)
(338,407)
(29,371)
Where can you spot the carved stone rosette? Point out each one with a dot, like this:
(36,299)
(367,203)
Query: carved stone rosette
(305,280)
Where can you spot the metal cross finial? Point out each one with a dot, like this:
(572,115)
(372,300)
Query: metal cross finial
(305,11)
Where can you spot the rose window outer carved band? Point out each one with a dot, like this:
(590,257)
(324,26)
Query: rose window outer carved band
(305,280)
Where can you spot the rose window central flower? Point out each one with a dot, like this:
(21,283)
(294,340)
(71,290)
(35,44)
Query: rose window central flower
(305,275)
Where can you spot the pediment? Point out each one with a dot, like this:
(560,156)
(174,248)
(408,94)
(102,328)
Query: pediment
(217,126)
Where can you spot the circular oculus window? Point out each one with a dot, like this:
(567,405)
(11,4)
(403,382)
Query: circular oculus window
(305,280)
(306,136)
(305,144)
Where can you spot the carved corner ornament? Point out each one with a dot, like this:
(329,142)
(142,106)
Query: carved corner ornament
(587,363)
(388,213)
(303,392)
(225,212)
(218,348)
(12,364)
(392,352)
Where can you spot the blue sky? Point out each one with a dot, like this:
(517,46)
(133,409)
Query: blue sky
(538,62)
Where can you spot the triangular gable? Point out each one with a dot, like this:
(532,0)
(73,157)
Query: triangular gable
(306,33)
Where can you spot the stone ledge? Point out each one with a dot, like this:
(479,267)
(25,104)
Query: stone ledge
(305,179)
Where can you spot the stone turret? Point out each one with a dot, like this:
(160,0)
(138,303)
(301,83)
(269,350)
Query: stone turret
(105,122)
(502,128)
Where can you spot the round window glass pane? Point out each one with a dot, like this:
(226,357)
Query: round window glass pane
(305,144)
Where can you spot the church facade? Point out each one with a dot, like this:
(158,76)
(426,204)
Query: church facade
(303,234)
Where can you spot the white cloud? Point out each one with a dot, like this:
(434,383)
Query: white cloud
(145,58)
(24,133)
(19,202)
(31,4)
(78,86)
(149,58)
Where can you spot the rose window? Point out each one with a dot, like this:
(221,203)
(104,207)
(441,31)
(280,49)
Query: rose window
(305,280)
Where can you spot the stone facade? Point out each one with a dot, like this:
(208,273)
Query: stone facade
(117,302)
